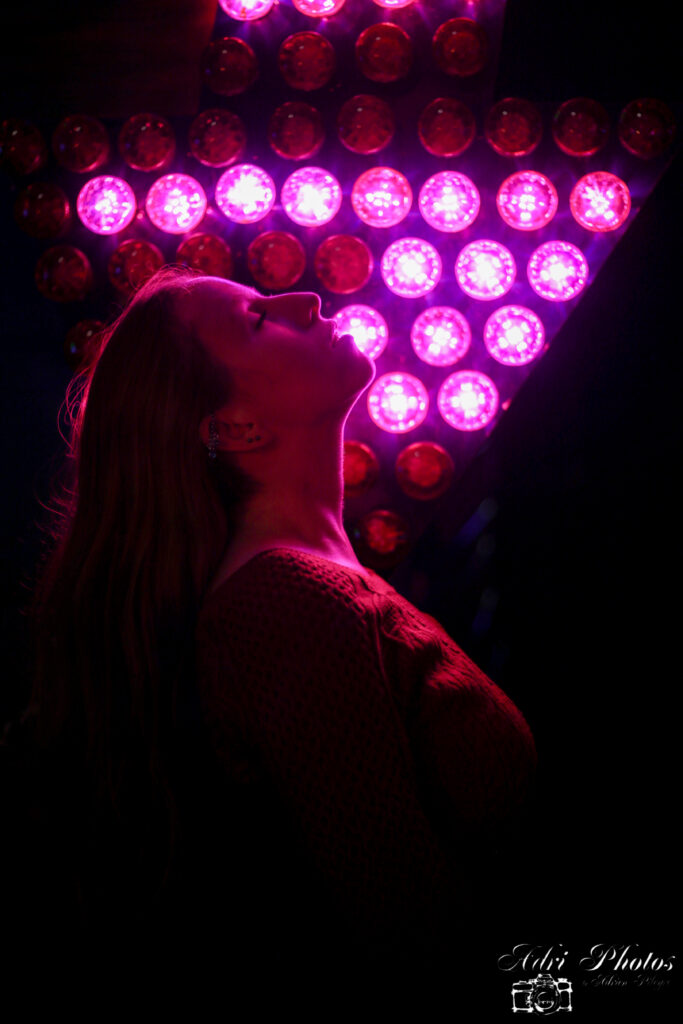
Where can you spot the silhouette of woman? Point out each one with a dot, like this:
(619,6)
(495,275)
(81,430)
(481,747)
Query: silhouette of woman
(232,718)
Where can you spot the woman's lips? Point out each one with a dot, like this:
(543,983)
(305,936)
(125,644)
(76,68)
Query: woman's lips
(340,337)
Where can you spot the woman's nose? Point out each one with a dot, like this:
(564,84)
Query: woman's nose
(302,308)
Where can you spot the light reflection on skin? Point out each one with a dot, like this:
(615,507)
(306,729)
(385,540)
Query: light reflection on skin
(294,391)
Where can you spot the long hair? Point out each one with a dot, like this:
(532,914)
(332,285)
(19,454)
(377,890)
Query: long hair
(138,528)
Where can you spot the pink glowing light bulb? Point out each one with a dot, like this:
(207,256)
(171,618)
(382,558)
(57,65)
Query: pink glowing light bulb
(367,327)
(527,200)
(106,205)
(381,197)
(398,402)
(246,10)
(440,336)
(411,267)
(245,193)
(311,196)
(514,335)
(557,271)
(176,203)
(393,4)
(468,400)
(600,201)
(485,269)
(449,201)
(318,8)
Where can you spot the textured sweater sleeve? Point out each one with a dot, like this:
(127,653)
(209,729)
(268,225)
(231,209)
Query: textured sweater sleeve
(292,670)
(474,752)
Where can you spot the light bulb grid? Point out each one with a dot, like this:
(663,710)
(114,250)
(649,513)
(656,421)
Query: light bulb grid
(448,202)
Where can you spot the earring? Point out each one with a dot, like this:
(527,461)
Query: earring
(212,446)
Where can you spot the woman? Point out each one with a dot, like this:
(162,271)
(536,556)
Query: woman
(255,710)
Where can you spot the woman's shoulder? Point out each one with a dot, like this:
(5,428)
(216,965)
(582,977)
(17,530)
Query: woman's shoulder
(282,591)
(284,572)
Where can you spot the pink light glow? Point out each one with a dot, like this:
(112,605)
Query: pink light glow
(557,271)
(176,203)
(440,336)
(367,327)
(381,197)
(449,201)
(600,201)
(485,269)
(398,402)
(468,400)
(514,335)
(393,4)
(311,196)
(318,8)
(106,205)
(245,193)
(527,200)
(411,267)
(246,10)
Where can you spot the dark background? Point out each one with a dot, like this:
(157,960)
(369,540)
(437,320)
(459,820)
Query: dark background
(559,574)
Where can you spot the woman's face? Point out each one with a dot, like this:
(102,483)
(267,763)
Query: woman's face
(283,359)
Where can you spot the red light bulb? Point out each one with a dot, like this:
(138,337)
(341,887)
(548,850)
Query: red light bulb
(424,470)
(106,205)
(398,402)
(306,61)
(229,66)
(82,342)
(600,201)
(217,137)
(22,147)
(446,127)
(382,536)
(63,274)
(246,10)
(176,203)
(147,142)
(318,8)
(361,468)
(460,47)
(468,400)
(513,127)
(343,264)
(384,52)
(365,124)
(295,131)
(311,196)
(42,210)
(580,127)
(132,263)
(527,200)
(245,193)
(381,197)
(276,260)
(80,143)
(207,253)
(646,128)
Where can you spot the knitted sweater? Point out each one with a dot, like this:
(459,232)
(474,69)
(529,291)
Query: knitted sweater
(385,761)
